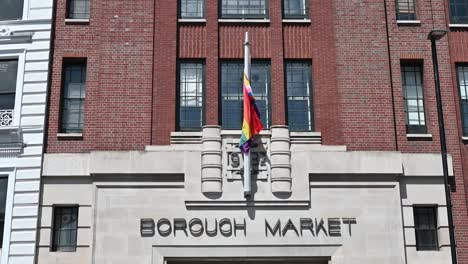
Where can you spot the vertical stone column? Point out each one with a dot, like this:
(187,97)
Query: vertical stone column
(280,160)
(212,168)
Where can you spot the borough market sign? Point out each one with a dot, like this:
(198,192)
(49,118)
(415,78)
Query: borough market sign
(196,227)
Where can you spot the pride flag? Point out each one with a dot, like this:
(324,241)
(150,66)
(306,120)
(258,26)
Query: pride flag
(251,125)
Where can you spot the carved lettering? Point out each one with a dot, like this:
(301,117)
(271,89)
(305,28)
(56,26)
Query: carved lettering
(223,223)
(276,229)
(213,232)
(320,226)
(334,227)
(180,224)
(240,227)
(289,226)
(164,222)
(349,222)
(307,224)
(196,232)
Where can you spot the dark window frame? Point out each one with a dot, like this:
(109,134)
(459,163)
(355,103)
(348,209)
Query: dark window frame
(72,62)
(203,11)
(414,128)
(420,245)
(295,16)
(2,219)
(311,94)
(463,102)
(18,14)
(178,94)
(54,245)
(72,15)
(267,63)
(244,16)
(410,14)
(12,93)
(454,7)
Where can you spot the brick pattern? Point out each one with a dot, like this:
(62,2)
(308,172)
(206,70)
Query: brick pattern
(119,86)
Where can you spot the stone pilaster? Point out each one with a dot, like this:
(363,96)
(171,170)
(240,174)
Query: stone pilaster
(212,181)
(280,160)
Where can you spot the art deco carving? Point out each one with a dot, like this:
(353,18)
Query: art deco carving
(5,31)
(233,161)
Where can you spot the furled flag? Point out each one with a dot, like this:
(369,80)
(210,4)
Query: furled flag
(251,125)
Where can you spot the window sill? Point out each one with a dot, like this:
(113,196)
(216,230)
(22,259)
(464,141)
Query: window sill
(290,20)
(408,22)
(458,25)
(69,135)
(425,136)
(464,138)
(240,20)
(191,20)
(73,21)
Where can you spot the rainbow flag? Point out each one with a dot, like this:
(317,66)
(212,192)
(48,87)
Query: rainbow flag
(251,125)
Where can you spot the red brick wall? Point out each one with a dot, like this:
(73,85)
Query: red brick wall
(118,45)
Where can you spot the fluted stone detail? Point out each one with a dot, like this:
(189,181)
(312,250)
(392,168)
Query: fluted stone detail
(212,181)
(280,160)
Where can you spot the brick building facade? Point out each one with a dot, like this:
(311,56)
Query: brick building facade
(361,123)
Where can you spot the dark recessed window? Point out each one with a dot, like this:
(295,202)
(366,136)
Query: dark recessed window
(425,225)
(232,96)
(462,75)
(78,9)
(11,9)
(8,75)
(295,8)
(244,8)
(458,11)
(3,195)
(406,9)
(299,96)
(73,96)
(65,228)
(191,90)
(411,76)
(192,8)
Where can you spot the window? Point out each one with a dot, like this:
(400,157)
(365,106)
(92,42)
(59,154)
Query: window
(3,195)
(232,95)
(78,9)
(192,8)
(244,8)
(74,86)
(8,72)
(462,75)
(65,228)
(295,9)
(459,11)
(299,95)
(191,89)
(406,9)
(425,225)
(11,9)
(411,76)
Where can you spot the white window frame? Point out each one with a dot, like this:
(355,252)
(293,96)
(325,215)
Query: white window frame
(11,174)
(20,55)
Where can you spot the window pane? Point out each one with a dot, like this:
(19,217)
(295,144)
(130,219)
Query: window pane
(411,76)
(78,9)
(299,95)
(425,224)
(232,96)
(458,11)
(192,8)
(3,194)
(65,228)
(244,8)
(295,8)
(73,101)
(462,74)
(191,86)
(406,10)
(8,72)
(11,9)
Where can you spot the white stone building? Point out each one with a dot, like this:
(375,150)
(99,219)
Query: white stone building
(182,203)
(25,30)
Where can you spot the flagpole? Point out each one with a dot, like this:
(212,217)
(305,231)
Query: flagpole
(247,180)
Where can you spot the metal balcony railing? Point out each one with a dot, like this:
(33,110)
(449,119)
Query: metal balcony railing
(6,117)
